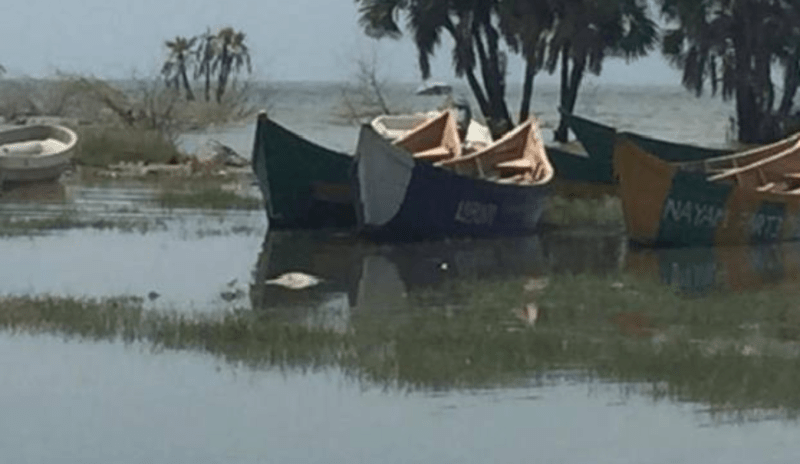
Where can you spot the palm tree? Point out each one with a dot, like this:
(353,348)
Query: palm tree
(205,54)
(734,45)
(174,69)
(232,56)
(472,26)
(526,25)
(586,32)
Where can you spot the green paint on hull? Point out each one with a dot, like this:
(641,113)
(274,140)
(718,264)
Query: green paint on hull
(692,210)
(303,183)
(577,168)
(766,224)
(598,141)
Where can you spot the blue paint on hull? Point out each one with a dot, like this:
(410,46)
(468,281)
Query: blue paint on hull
(439,203)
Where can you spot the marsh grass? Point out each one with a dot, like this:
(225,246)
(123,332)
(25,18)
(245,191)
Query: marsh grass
(736,354)
(238,336)
(101,146)
(68,220)
(209,197)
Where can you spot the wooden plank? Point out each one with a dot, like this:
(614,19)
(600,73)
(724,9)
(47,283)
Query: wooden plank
(519,164)
(434,154)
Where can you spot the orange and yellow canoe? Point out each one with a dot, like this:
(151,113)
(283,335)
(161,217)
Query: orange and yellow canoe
(749,197)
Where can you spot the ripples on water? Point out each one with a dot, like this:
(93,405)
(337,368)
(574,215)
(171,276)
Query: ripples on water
(403,353)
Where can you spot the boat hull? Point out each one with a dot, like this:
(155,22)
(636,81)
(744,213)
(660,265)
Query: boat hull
(598,141)
(403,199)
(666,206)
(304,184)
(37,153)
(580,176)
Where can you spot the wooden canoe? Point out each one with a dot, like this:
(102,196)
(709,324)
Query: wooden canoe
(498,190)
(35,153)
(304,184)
(749,197)
(598,140)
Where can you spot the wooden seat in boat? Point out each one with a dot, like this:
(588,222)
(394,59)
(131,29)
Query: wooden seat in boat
(752,175)
(434,155)
(519,164)
(519,151)
(434,140)
(515,179)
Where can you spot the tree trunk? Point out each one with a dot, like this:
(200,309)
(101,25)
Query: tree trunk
(483,103)
(527,92)
(208,83)
(561,133)
(497,118)
(224,67)
(189,93)
(791,81)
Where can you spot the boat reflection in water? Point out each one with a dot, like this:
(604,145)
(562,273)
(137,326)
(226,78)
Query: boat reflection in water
(359,276)
(443,315)
(702,270)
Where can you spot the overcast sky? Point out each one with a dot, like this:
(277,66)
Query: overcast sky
(288,40)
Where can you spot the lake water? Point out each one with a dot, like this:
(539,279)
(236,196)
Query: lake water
(315,110)
(570,346)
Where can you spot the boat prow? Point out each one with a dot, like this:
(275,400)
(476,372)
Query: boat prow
(304,184)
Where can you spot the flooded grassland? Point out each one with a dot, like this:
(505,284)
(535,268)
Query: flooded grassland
(143,319)
(135,330)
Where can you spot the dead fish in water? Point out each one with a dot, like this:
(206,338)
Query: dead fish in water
(295,280)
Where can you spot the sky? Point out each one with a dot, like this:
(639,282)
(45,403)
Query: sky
(306,40)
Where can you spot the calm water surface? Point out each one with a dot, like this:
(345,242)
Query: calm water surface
(570,346)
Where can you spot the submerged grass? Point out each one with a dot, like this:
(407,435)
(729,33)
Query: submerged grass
(207,197)
(735,353)
(12,227)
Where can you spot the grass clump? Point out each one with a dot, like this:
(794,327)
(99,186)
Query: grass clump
(101,146)
(208,197)
(565,211)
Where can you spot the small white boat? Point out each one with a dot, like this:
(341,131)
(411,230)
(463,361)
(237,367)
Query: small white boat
(434,88)
(35,153)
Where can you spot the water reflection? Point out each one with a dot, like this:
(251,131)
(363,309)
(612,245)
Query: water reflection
(366,277)
(444,316)
(701,271)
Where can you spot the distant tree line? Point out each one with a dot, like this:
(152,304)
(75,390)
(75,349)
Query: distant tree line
(735,46)
(211,57)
